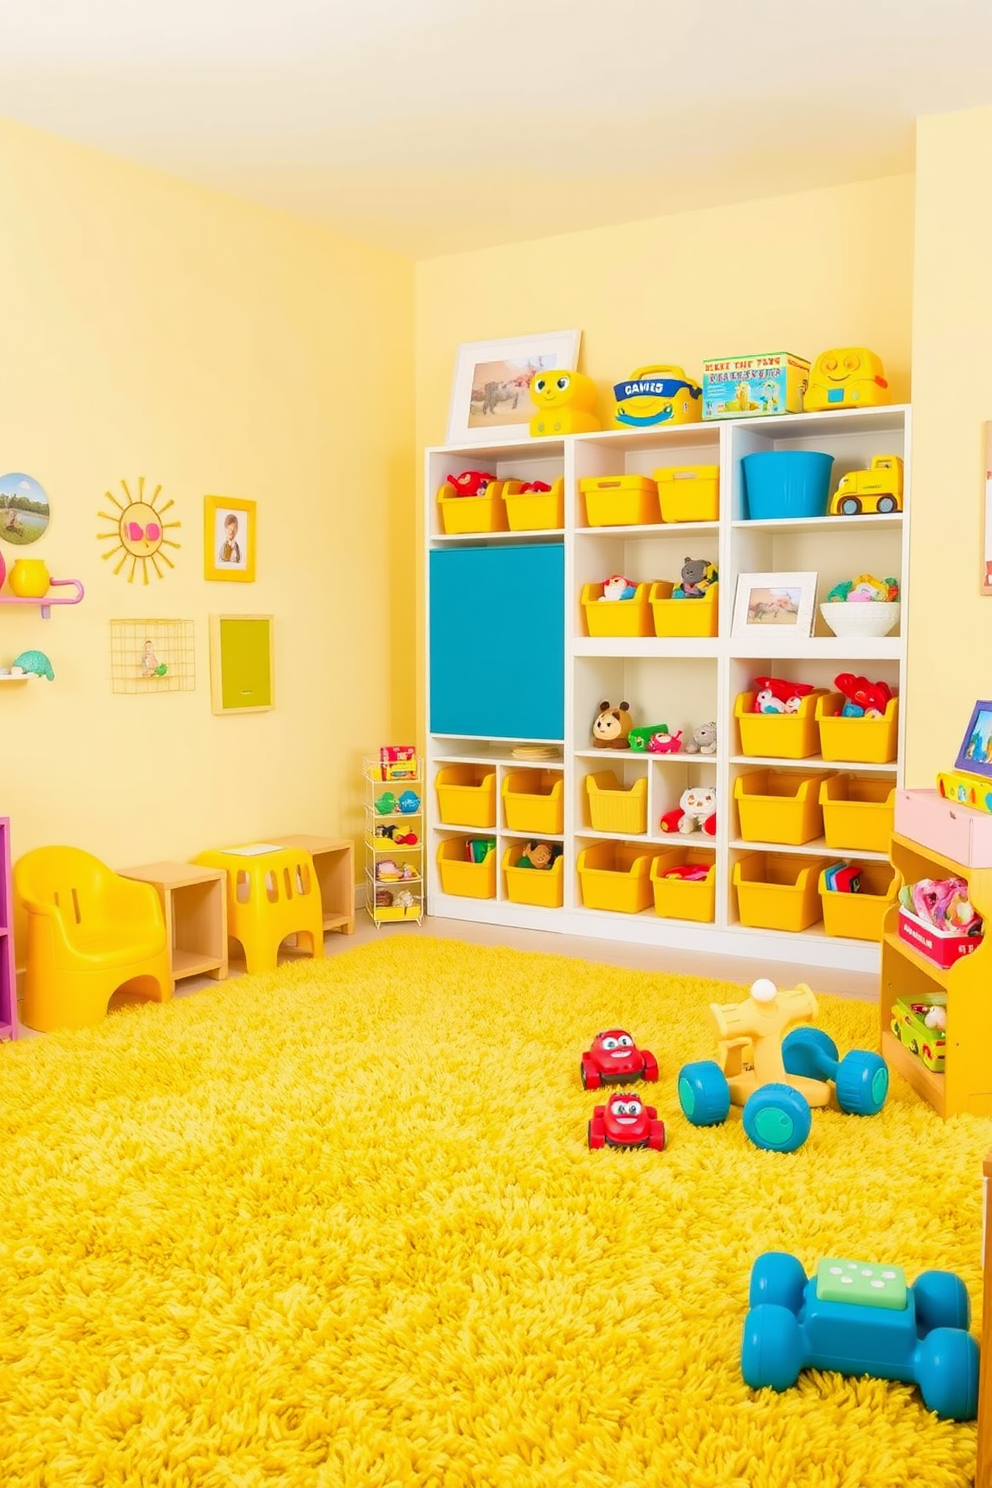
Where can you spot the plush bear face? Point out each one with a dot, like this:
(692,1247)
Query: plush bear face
(612,725)
(705,735)
(699,801)
(694,571)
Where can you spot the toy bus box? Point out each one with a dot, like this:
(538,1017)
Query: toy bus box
(398,762)
(754,386)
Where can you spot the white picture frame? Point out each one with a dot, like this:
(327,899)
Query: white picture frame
(490,399)
(774,605)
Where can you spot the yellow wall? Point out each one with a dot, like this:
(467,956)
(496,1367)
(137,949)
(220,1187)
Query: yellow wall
(795,273)
(951,626)
(153,328)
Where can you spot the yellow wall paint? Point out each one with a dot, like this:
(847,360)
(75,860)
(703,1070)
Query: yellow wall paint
(950,657)
(153,328)
(794,273)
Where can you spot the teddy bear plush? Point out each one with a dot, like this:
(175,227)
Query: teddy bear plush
(703,740)
(611,727)
(697,576)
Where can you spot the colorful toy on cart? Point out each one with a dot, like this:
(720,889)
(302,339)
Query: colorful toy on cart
(614,1058)
(660,394)
(625,1121)
(922,1027)
(877,489)
(565,402)
(778,1077)
(846,377)
(860,1318)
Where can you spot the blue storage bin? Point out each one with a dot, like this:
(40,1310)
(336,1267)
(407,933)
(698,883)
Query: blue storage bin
(786,483)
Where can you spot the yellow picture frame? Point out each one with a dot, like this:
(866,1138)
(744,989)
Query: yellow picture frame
(242,657)
(229,528)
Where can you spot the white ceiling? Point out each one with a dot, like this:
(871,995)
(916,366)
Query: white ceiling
(433,126)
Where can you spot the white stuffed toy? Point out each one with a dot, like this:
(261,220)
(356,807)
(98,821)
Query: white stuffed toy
(618,587)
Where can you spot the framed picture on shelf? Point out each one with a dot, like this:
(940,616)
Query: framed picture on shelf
(229,537)
(975,754)
(774,603)
(490,399)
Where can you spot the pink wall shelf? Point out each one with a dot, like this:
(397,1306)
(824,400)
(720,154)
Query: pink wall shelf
(47,600)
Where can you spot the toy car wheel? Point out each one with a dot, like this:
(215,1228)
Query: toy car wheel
(777,1118)
(656,1137)
(947,1373)
(771,1348)
(849,507)
(704,1094)
(777,1278)
(809,1052)
(862,1083)
(886,504)
(590,1077)
(941,1301)
(596,1138)
(650,1067)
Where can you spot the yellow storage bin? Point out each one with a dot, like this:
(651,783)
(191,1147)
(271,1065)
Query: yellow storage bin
(458,876)
(466,795)
(533,511)
(398,911)
(858,814)
(779,735)
(682,898)
(860,916)
(619,617)
(617,808)
(533,801)
(544,887)
(779,806)
(689,493)
(617,876)
(620,500)
(463,514)
(868,741)
(684,617)
(778,892)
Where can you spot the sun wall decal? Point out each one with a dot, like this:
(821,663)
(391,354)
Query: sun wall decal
(138,531)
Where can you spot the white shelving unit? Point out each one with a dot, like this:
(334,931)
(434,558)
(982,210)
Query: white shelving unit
(380,846)
(682,682)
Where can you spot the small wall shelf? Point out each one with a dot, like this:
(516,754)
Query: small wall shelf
(47,600)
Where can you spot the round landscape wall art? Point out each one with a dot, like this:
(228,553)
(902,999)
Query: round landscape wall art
(24,508)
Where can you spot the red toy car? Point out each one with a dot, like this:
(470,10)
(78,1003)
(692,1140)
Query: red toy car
(614,1059)
(625,1121)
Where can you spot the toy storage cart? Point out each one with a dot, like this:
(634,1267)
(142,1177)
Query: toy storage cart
(393,896)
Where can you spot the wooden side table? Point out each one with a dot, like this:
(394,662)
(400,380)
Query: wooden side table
(194,902)
(334,865)
(983,1473)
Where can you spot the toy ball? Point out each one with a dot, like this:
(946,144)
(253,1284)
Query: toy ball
(846,377)
(566,403)
(660,394)
(35,663)
(409,802)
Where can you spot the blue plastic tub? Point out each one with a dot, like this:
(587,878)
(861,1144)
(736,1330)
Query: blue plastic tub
(786,483)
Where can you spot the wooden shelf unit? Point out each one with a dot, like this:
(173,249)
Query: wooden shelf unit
(966,1083)
(334,866)
(194,902)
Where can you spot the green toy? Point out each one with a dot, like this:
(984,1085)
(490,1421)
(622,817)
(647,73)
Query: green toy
(386,804)
(35,663)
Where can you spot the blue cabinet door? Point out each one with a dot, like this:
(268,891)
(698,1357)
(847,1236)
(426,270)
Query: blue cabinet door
(497,642)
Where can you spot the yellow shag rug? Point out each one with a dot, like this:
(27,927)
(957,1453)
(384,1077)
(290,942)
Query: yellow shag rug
(338,1227)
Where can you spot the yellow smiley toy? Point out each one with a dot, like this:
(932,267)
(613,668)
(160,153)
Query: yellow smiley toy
(566,403)
(846,377)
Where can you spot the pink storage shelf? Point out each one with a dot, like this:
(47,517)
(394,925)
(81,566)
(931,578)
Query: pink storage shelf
(47,600)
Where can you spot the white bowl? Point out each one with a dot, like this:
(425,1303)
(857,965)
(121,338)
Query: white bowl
(874,618)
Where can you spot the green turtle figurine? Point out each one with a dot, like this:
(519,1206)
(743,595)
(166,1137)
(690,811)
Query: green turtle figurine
(35,663)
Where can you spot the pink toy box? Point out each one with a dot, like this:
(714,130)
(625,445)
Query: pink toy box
(957,832)
(941,947)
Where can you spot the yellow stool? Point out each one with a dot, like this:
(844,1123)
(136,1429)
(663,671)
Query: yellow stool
(272,892)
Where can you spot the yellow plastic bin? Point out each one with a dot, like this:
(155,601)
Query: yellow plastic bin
(779,735)
(617,808)
(464,514)
(620,500)
(534,511)
(684,617)
(778,892)
(533,801)
(620,617)
(689,493)
(466,795)
(858,814)
(867,741)
(543,887)
(683,898)
(459,876)
(779,806)
(859,916)
(617,876)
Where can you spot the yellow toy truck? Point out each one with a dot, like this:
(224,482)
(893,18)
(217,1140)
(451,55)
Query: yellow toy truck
(877,489)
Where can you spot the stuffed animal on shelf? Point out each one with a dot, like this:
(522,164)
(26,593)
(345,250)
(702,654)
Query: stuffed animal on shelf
(703,740)
(775,696)
(618,587)
(538,855)
(470,482)
(697,576)
(611,727)
(665,743)
(403,899)
(696,812)
(565,402)
(862,699)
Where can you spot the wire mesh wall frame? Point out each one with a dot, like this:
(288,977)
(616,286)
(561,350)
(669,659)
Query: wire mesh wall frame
(152,656)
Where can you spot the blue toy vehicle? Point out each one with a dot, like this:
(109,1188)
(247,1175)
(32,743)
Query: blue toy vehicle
(857,1317)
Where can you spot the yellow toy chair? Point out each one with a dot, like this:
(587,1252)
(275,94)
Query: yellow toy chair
(89,932)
